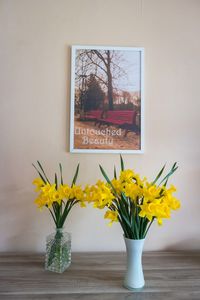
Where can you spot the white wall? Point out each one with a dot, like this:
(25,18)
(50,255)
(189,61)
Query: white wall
(35,37)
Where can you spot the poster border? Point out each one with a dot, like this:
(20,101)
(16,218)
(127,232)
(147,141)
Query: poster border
(72,95)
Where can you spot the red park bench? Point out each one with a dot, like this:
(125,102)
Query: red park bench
(125,119)
(93,115)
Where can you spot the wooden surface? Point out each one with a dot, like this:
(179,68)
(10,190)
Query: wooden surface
(95,276)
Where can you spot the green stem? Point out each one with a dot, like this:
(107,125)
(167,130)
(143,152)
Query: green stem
(52,216)
(148,227)
(55,247)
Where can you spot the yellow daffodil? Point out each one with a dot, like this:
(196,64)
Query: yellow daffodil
(64,191)
(151,192)
(118,186)
(100,194)
(111,215)
(48,189)
(126,176)
(76,192)
(41,201)
(133,191)
(56,197)
(38,182)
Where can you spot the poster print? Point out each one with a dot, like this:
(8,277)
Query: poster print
(106,99)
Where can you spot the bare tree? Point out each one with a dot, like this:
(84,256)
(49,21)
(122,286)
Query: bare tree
(104,64)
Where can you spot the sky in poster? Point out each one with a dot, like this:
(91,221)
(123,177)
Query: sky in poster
(131,65)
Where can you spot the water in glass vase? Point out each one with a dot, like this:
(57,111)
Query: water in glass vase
(58,251)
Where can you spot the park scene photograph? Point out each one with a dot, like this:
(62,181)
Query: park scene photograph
(106,99)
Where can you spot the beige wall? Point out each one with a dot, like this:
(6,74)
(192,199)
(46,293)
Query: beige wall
(35,37)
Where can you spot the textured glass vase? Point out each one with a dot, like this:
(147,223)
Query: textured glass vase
(134,278)
(58,251)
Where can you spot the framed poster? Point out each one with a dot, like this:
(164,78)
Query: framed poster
(107,113)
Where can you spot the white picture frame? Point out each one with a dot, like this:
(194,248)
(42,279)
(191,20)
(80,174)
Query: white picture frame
(107,99)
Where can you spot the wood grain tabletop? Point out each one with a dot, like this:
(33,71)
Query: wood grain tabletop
(95,276)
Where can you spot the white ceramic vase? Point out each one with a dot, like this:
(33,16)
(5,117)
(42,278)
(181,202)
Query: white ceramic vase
(134,278)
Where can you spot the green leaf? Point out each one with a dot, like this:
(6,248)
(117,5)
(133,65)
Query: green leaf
(122,163)
(39,174)
(75,176)
(107,179)
(125,219)
(127,233)
(173,169)
(123,210)
(68,207)
(143,228)
(43,171)
(115,173)
(134,223)
(159,174)
(149,225)
(52,215)
(125,201)
(56,181)
(141,221)
(55,247)
(61,176)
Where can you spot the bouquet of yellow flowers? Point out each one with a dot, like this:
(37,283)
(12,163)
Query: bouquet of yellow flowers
(133,201)
(58,198)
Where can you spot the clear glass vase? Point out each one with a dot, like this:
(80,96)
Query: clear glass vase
(58,251)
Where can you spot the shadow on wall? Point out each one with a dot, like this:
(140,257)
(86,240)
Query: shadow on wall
(185,244)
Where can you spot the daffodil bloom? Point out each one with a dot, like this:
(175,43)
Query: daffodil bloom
(64,191)
(88,193)
(48,189)
(111,215)
(118,186)
(133,191)
(126,176)
(56,197)
(100,194)
(76,192)
(151,192)
(38,182)
(41,201)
